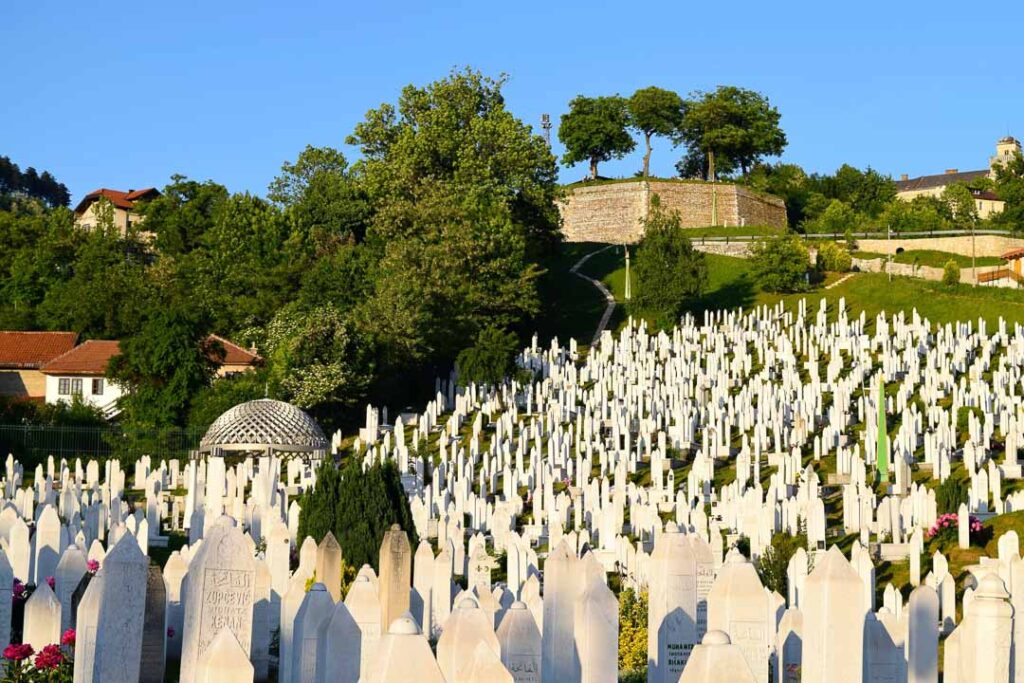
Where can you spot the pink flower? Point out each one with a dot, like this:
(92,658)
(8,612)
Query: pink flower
(68,638)
(170,632)
(50,658)
(92,566)
(16,653)
(51,582)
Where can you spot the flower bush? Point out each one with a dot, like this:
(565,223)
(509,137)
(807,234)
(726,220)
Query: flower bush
(53,664)
(92,566)
(946,527)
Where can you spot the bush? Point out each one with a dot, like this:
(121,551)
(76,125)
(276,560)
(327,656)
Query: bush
(949,495)
(774,561)
(632,636)
(669,271)
(491,359)
(951,274)
(780,265)
(833,258)
(358,507)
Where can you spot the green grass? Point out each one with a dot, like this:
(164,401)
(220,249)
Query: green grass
(932,258)
(734,231)
(572,307)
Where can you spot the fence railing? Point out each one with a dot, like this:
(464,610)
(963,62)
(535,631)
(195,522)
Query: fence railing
(32,444)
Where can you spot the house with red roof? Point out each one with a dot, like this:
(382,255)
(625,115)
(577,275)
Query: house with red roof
(82,370)
(22,357)
(124,204)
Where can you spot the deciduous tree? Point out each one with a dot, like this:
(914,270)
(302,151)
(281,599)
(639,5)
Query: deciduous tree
(595,130)
(655,111)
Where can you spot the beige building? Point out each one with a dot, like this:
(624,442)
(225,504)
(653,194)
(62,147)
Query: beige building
(123,203)
(22,357)
(988,203)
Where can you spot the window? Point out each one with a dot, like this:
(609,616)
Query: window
(76,386)
(63,386)
(97,386)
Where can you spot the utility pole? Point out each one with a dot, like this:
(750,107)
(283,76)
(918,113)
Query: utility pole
(629,290)
(545,124)
(974,256)
(888,245)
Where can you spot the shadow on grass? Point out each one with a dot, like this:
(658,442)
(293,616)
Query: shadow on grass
(736,293)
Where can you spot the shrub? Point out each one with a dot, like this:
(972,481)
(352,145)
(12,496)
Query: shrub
(833,258)
(951,274)
(773,563)
(781,264)
(946,528)
(950,494)
(358,507)
(669,271)
(491,359)
(632,635)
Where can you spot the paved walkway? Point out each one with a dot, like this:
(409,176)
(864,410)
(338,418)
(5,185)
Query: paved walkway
(840,280)
(608,296)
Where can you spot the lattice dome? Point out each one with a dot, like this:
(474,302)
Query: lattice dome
(264,423)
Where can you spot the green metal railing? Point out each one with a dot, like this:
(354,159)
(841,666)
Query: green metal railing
(32,444)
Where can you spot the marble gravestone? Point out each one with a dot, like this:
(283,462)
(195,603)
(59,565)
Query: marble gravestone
(154,628)
(111,617)
(520,643)
(220,593)
(395,574)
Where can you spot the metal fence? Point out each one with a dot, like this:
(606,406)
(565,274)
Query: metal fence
(31,444)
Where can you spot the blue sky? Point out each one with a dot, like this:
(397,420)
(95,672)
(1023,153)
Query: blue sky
(123,95)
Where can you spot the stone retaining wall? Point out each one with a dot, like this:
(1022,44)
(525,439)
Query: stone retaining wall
(614,212)
(986,245)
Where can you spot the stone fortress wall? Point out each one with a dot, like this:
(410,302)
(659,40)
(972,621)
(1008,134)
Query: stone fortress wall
(613,212)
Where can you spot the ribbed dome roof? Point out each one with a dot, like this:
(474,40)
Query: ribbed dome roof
(264,423)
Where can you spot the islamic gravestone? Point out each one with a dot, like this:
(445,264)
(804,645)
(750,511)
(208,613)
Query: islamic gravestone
(395,575)
(220,594)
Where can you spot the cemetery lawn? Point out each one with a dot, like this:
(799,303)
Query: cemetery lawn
(932,258)
(570,306)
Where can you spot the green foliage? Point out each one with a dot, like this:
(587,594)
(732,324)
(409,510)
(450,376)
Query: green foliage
(780,264)
(962,207)
(182,213)
(669,271)
(951,274)
(594,130)
(30,183)
(465,216)
(771,566)
(163,366)
(358,507)
(833,258)
(491,359)
(632,634)
(949,495)
(654,111)
(210,402)
(837,218)
(730,127)
(1009,185)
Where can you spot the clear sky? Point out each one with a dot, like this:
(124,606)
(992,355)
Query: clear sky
(123,95)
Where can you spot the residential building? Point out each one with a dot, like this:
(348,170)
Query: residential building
(124,207)
(236,359)
(22,356)
(988,203)
(82,372)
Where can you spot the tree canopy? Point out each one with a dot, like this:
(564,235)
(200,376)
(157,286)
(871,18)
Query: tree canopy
(595,130)
(730,127)
(654,111)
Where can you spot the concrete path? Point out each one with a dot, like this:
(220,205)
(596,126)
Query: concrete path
(840,280)
(608,296)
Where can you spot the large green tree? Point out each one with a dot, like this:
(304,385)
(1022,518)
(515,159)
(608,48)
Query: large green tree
(655,111)
(1009,185)
(669,271)
(595,130)
(182,213)
(780,264)
(733,125)
(464,218)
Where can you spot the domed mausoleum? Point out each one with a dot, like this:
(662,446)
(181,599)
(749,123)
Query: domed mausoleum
(265,426)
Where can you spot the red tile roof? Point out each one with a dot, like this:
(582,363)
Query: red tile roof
(120,199)
(32,350)
(1013,254)
(233,353)
(88,358)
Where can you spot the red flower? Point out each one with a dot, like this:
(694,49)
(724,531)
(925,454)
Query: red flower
(170,632)
(50,658)
(16,653)
(51,582)
(92,566)
(68,638)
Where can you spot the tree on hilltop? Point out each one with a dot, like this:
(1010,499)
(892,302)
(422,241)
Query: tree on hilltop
(594,130)
(731,124)
(655,111)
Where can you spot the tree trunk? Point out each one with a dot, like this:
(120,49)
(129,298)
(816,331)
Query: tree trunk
(647,155)
(711,165)
(593,168)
